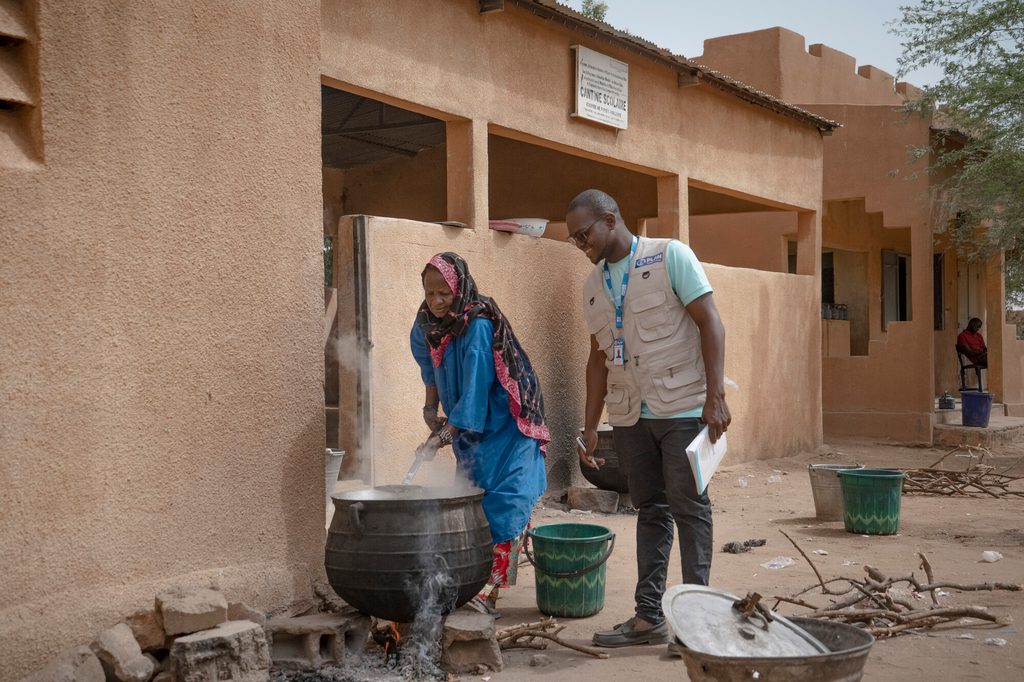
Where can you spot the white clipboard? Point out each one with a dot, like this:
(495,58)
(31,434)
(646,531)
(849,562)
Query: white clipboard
(705,457)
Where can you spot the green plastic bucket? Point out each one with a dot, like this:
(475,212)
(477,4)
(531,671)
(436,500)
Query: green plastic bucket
(871,500)
(570,559)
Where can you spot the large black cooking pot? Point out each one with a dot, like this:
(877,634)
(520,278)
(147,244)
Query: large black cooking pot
(399,551)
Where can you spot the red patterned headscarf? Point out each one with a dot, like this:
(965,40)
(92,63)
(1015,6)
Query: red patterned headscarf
(513,368)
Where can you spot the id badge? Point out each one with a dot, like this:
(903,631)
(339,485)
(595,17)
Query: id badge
(619,352)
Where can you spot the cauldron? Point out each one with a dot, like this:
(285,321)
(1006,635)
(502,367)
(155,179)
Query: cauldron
(399,551)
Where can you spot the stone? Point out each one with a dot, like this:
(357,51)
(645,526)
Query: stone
(307,642)
(235,651)
(240,611)
(148,629)
(158,666)
(469,642)
(74,665)
(540,660)
(121,655)
(186,611)
(593,499)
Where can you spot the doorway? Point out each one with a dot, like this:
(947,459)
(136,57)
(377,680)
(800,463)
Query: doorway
(895,288)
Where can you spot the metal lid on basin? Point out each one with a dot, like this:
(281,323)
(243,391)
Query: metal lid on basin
(705,620)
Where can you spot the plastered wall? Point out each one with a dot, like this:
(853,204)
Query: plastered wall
(412,188)
(744,240)
(536,282)
(879,389)
(161,420)
(776,61)
(527,178)
(1013,374)
(1006,376)
(852,289)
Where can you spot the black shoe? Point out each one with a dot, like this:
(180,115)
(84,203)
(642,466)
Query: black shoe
(624,634)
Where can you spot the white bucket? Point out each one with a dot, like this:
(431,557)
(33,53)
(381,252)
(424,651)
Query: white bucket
(332,467)
(828,495)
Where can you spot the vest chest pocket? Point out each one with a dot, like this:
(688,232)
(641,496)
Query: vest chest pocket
(652,317)
(617,400)
(604,337)
(677,382)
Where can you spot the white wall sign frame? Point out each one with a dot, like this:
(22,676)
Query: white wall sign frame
(602,88)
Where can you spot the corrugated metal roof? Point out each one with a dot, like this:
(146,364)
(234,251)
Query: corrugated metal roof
(356,130)
(551,9)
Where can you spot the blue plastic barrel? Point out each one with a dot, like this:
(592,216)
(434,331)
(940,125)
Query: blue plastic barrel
(977,407)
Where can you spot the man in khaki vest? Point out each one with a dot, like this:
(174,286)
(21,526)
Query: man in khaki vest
(657,356)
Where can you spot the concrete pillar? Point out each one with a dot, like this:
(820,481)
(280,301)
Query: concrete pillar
(921,315)
(808,262)
(808,244)
(673,209)
(467,172)
(995,318)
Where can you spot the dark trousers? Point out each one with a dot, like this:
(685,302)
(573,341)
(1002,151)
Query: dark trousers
(661,486)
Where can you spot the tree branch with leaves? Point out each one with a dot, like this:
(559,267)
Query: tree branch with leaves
(977,151)
(595,9)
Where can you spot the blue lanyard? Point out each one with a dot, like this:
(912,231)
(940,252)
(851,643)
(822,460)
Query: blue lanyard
(623,288)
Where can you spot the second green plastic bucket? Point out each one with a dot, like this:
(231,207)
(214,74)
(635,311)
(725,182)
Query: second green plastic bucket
(871,500)
(570,562)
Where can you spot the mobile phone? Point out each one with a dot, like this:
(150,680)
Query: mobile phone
(583,446)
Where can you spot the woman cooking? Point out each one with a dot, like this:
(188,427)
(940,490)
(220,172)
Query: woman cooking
(471,362)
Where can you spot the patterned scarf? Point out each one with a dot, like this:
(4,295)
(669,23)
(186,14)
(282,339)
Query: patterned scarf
(515,373)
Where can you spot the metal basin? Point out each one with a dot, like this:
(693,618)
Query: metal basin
(848,647)
(400,552)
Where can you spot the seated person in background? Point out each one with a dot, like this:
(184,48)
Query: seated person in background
(972,345)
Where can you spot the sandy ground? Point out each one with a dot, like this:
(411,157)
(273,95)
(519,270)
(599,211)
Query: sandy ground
(952,532)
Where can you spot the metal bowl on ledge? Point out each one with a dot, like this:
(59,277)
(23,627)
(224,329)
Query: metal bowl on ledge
(609,476)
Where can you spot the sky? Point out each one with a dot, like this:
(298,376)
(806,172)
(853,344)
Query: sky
(858,27)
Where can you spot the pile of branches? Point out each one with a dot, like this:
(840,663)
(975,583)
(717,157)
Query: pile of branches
(883,606)
(977,480)
(536,636)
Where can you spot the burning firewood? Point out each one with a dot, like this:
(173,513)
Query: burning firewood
(526,636)
(386,635)
(875,604)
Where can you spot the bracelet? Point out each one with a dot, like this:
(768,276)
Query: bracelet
(432,408)
(445,436)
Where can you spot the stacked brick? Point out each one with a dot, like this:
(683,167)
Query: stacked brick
(195,635)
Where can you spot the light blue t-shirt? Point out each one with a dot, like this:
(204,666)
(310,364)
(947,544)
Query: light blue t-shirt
(689,282)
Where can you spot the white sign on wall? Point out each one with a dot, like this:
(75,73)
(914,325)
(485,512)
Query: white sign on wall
(602,88)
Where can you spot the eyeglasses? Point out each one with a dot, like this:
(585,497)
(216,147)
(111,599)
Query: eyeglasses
(581,237)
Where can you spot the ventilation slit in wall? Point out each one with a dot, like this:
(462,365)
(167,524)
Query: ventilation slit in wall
(20,120)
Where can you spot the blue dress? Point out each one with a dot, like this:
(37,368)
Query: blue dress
(490,448)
